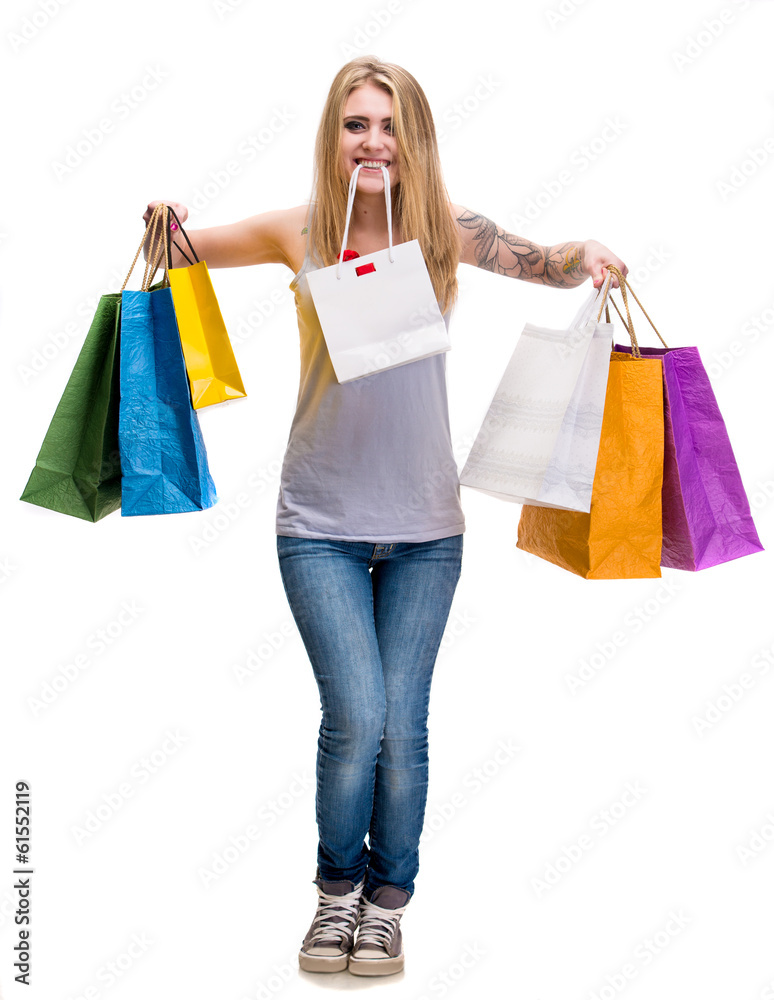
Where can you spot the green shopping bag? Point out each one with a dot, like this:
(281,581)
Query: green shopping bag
(78,469)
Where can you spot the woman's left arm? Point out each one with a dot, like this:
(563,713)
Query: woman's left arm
(565,265)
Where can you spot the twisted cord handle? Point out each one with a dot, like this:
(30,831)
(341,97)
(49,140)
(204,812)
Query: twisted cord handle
(626,287)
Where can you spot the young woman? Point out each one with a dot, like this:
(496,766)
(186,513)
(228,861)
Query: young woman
(369,524)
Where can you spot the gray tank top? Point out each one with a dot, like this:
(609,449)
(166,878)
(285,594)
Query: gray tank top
(370,460)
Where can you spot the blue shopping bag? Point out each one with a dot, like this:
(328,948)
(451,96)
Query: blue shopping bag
(163,458)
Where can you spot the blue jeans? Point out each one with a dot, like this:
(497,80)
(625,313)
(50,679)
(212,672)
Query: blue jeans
(372,618)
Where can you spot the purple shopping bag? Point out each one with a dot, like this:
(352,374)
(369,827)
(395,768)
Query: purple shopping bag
(706,517)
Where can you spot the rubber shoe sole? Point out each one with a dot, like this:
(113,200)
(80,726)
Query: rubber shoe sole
(322,963)
(375,966)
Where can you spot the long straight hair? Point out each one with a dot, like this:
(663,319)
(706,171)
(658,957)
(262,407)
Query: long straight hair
(420,199)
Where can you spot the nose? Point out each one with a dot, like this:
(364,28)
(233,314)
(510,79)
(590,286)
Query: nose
(373,138)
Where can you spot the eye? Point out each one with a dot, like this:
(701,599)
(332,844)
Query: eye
(353,125)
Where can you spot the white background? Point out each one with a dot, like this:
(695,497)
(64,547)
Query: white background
(129,892)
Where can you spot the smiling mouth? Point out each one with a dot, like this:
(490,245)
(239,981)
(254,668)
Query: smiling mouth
(372,164)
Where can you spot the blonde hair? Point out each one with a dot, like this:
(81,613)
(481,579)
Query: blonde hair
(420,199)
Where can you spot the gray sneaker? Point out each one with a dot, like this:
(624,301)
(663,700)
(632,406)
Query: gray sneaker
(378,950)
(328,942)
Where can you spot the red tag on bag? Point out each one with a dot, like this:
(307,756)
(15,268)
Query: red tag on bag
(364,269)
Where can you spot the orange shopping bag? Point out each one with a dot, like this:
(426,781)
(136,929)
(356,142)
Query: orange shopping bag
(620,537)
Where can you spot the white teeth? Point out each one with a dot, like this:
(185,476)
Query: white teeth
(372,163)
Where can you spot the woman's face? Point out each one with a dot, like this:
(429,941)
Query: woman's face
(367,137)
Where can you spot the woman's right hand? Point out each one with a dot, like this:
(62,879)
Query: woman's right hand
(180,210)
(182,213)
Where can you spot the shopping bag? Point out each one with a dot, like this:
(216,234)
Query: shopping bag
(163,458)
(705,511)
(212,369)
(78,468)
(620,537)
(378,311)
(539,440)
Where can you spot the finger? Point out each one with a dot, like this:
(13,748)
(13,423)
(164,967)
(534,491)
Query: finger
(149,210)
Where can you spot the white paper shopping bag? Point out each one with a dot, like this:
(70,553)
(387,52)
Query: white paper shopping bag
(378,311)
(539,441)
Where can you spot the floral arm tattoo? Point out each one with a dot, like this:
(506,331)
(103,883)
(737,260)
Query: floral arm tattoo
(503,253)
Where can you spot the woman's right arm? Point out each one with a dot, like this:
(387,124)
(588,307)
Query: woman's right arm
(261,239)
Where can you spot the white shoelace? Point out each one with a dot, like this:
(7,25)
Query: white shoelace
(337,916)
(377,925)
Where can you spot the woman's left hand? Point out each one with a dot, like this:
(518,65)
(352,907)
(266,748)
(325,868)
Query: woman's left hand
(596,257)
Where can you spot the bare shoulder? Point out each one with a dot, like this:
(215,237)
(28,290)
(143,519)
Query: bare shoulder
(290,235)
(279,236)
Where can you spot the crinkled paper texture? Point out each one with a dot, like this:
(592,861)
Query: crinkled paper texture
(78,469)
(620,537)
(163,457)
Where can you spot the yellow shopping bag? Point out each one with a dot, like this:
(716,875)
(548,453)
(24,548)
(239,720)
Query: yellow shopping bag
(209,359)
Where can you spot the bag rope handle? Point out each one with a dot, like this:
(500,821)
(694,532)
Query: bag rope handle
(152,267)
(160,212)
(603,294)
(624,286)
(149,229)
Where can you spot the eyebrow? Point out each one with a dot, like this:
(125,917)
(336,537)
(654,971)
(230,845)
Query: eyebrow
(363,118)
